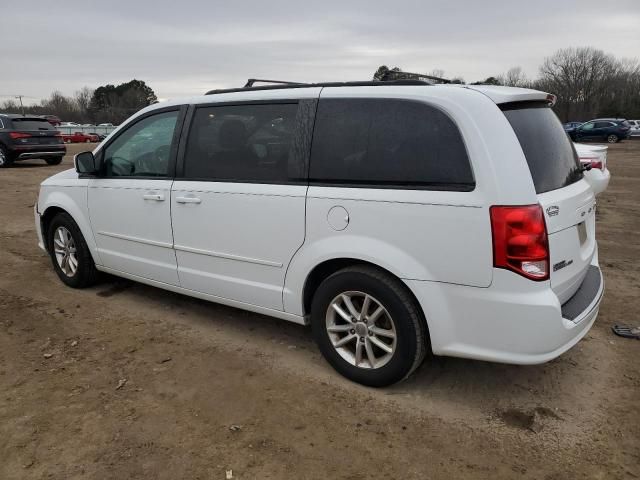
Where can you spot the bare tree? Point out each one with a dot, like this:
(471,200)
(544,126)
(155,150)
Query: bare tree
(514,77)
(579,77)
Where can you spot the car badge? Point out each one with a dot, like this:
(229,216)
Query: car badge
(553,210)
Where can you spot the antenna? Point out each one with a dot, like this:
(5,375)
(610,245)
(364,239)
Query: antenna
(21,105)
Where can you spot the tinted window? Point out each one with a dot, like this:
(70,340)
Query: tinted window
(604,124)
(549,152)
(143,149)
(31,124)
(243,143)
(378,142)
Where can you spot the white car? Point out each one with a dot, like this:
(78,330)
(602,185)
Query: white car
(635,127)
(70,124)
(596,157)
(395,218)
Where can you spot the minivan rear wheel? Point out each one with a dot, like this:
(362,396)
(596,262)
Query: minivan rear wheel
(612,138)
(368,326)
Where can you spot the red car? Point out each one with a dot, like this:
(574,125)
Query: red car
(79,137)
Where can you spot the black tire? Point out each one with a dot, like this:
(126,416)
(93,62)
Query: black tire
(6,160)
(410,326)
(53,160)
(613,138)
(86,273)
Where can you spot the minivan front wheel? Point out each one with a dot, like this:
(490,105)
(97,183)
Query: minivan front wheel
(368,326)
(612,138)
(69,252)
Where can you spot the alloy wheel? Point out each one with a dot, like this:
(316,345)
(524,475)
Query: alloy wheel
(361,330)
(64,249)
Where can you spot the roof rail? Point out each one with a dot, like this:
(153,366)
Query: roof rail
(251,81)
(283,85)
(392,75)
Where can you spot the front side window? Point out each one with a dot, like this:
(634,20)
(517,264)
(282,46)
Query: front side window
(385,142)
(144,149)
(243,143)
(587,126)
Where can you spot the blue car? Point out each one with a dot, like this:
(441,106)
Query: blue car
(611,130)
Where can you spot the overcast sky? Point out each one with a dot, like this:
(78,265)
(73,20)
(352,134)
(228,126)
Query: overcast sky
(186,47)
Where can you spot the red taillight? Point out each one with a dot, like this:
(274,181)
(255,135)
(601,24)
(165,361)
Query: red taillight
(593,161)
(16,135)
(597,164)
(520,240)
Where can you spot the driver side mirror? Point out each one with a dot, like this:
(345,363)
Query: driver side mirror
(85,163)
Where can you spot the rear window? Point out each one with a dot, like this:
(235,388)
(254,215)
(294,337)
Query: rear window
(31,124)
(552,159)
(380,143)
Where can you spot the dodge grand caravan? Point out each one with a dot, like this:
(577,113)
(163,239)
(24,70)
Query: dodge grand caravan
(397,219)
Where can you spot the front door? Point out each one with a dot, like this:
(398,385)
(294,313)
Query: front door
(129,205)
(239,209)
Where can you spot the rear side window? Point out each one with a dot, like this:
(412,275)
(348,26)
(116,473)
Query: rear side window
(244,143)
(31,124)
(387,142)
(552,159)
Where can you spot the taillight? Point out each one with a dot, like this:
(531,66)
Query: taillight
(520,240)
(597,164)
(16,135)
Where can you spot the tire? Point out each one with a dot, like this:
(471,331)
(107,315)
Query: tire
(401,316)
(5,157)
(53,160)
(85,273)
(612,138)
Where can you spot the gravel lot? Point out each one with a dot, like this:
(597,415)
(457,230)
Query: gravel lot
(128,381)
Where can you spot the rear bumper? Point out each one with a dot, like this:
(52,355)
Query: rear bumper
(513,321)
(24,152)
(598,179)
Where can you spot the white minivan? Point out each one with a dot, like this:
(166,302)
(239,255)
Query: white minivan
(397,218)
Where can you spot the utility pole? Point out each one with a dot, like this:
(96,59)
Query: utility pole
(19,97)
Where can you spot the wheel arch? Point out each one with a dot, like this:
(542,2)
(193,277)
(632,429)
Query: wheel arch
(60,201)
(328,267)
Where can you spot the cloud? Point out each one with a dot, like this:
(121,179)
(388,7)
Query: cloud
(185,48)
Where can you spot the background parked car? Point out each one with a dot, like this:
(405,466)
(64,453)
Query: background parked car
(52,119)
(571,125)
(635,127)
(596,157)
(611,130)
(70,124)
(101,136)
(26,137)
(79,137)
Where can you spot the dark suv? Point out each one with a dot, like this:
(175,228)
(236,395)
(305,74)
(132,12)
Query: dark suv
(610,129)
(25,137)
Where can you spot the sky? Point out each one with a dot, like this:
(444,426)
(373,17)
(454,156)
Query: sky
(186,47)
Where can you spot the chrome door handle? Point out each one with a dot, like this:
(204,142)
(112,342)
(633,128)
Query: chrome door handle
(188,200)
(153,196)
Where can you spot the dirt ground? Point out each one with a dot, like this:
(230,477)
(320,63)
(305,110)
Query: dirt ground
(128,381)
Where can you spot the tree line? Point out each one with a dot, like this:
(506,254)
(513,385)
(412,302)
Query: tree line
(105,104)
(588,83)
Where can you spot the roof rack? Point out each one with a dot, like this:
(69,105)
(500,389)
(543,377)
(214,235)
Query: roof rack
(282,84)
(251,81)
(392,75)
